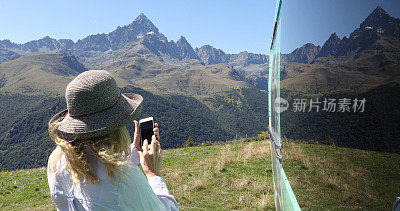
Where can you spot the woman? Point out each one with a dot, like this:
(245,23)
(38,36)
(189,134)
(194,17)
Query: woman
(95,166)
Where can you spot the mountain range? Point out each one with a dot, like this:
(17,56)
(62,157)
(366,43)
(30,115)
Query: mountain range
(205,93)
(252,67)
(144,30)
(379,22)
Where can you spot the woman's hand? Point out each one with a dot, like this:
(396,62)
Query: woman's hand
(136,136)
(150,158)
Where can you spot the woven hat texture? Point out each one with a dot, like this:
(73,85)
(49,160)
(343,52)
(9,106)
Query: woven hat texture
(95,107)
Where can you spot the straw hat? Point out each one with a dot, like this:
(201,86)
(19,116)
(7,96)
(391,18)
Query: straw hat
(95,107)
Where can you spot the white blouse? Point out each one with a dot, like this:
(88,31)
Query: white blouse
(133,193)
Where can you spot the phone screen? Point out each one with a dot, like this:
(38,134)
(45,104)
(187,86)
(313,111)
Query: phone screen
(146,129)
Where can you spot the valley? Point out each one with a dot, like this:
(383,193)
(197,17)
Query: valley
(205,93)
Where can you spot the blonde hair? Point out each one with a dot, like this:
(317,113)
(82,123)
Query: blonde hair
(112,150)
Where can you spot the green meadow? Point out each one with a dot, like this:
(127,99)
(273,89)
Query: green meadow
(238,175)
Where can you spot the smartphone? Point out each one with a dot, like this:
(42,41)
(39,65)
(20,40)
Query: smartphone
(146,129)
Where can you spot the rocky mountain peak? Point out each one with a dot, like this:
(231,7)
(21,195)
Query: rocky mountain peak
(182,39)
(136,30)
(310,45)
(143,20)
(204,47)
(379,10)
(330,47)
(379,22)
(46,38)
(7,44)
(142,24)
(378,13)
(45,44)
(141,17)
(377,18)
(211,55)
(185,49)
(245,58)
(334,37)
(304,54)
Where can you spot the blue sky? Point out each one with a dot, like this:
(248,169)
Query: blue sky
(231,25)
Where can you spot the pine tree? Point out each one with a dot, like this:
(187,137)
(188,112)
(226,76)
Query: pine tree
(190,142)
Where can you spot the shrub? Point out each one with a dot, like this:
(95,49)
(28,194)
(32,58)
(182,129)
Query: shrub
(190,142)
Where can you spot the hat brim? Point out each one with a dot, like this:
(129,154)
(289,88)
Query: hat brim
(99,124)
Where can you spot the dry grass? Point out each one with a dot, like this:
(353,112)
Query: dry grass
(228,177)
(234,176)
(341,173)
(238,176)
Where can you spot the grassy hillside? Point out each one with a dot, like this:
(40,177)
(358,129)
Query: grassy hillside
(139,66)
(39,73)
(239,176)
(24,140)
(181,95)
